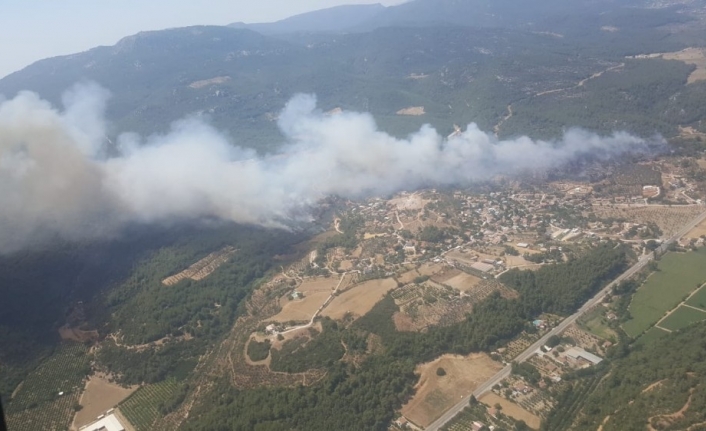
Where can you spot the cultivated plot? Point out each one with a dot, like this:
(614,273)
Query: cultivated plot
(698,298)
(682,317)
(142,408)
(678,275)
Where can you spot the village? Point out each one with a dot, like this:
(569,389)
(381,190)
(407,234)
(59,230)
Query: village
(439,252)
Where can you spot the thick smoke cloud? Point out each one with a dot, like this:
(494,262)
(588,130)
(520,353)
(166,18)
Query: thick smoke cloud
(58,181)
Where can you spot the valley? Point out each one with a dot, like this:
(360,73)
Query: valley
(440,215)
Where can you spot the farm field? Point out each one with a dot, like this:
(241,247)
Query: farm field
(698,299)
(99,396)
(511,409)
(315,292)
(141,407)
(678,275)
(359,299)
(463,282)
(37,404)
(682,317)
(435,394)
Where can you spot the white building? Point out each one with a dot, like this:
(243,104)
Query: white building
(106,423)
(577,353)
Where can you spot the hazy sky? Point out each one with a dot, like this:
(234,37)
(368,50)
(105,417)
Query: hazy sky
(34,29)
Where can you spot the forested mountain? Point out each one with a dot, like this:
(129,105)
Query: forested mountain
(514,67)
(465,73)
(660,386)
(335,19)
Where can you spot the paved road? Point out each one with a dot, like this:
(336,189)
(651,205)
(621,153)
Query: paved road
(485,387)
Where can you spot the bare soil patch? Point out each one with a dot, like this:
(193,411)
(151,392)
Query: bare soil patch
(203,268)
(511,409)
(98,396)
(359,299)
(463,282)
(408,202)
(75,334)
(315,291)
(206,82)
(412,111)
(446,274)
(435,394)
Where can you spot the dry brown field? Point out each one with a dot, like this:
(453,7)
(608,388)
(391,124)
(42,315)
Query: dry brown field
(412,110)
(698,231)
(436,394)
(463,282)
(315,291)
(669,219)
(75,334)
(206,82)
(98,396)
(695,56)
(702,163)
(359,299)
(447,273)
(511,409)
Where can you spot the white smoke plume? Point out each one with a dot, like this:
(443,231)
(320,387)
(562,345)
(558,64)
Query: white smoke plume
(58,181)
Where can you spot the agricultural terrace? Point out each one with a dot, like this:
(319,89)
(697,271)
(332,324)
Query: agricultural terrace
(437,393)
(360,299)
(315,292)
(681,318)
(142,408)
(203,268)
(678,275)
(47,397)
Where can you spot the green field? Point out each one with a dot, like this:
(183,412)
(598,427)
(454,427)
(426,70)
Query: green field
(142,408)
(678,275)
(698,300)
(37,404)
(597,324)
(682,317)
(652,335)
